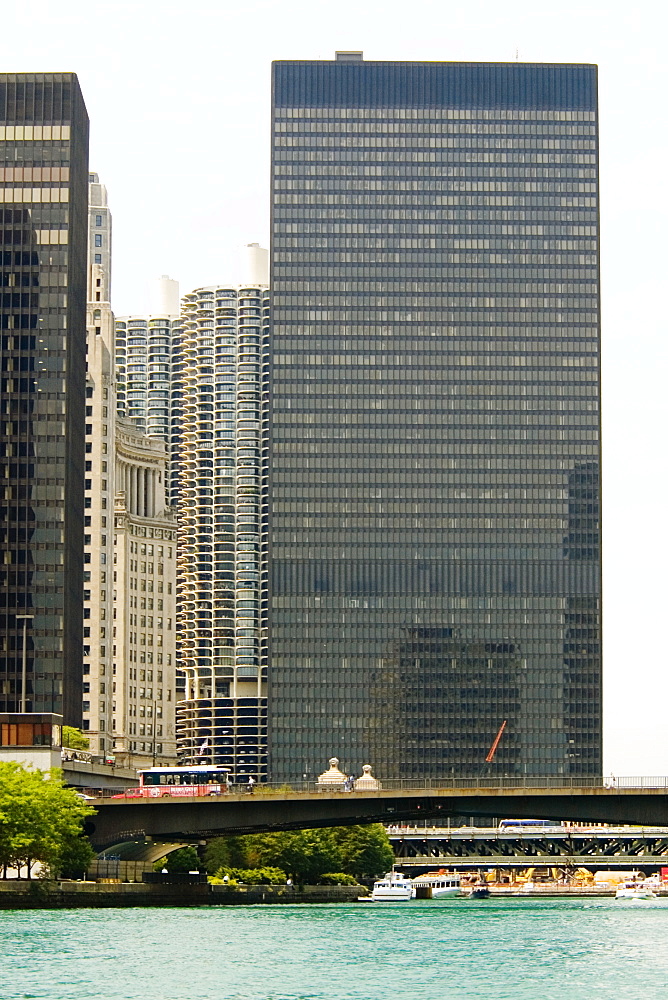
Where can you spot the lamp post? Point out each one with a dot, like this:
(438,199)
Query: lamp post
(155,731)
(24,661)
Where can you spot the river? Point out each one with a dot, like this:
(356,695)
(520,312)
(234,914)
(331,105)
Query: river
(494,949)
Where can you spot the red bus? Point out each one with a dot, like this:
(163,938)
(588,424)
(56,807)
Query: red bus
(165,782)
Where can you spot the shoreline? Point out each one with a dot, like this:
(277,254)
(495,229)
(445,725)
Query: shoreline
(63,894)
(36,894)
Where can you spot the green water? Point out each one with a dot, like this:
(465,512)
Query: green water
(498,948)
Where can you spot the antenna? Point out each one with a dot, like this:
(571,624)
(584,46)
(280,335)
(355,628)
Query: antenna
(517,55)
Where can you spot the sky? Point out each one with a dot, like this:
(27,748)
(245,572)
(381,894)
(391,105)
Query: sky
(179,100)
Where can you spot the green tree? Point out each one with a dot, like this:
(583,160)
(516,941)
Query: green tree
(361,851)
(365,850)
(40,819)
(226,852)
(307,854)
(74,739)
(184,859)
(75,857)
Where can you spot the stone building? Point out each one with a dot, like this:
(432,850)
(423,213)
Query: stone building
(144,581)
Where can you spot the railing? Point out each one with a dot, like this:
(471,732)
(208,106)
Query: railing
(482,784)
(568,830)
(69,754)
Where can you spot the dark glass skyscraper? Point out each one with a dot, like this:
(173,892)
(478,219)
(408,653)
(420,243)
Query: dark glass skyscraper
(43,247)
(435,539)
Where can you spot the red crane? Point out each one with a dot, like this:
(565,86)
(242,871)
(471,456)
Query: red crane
(492,750)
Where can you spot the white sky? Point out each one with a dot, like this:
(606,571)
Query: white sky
(178,96)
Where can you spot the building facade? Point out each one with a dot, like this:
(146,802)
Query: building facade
(145,377)
(43,245)
(435,438)
(222,507)
(100,480)
(144,580)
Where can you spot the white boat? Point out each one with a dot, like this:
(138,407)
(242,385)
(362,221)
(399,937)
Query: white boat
(395,887)
(634,892)
(441,883)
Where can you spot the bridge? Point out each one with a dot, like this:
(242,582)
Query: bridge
(168,819)
(568,845)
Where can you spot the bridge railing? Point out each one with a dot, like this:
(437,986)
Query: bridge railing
(504,782)
(637,782)
(482,783)
(479,782)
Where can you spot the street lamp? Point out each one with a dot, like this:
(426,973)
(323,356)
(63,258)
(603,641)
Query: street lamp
(155,731)
(24,662)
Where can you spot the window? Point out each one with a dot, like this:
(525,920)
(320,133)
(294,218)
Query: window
(98,239)
(98,258)
(98,220)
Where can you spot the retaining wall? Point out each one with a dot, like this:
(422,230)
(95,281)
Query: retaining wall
(37,895)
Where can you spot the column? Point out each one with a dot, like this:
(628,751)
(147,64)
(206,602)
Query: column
(133,489)
(150,483)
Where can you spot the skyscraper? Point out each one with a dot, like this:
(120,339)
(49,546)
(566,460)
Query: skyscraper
(144,367)
(100,480)
(129,546)
(44,211)
(222,585)
(434,441)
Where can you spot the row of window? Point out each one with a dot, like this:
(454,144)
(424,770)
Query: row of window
(388,112)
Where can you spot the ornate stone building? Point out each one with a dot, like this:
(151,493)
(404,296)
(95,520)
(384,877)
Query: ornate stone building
(144,580)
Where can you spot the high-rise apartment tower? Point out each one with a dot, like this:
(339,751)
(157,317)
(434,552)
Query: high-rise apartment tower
(43,245)
(435,539)
(145,377)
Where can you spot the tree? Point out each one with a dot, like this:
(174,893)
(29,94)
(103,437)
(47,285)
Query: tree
(74,739)
(307,854)
(362,851)
(365,850)
(40,819)
(226,852)
(184,859)
(75,857)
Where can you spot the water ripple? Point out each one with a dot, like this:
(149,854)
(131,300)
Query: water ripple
(508,949)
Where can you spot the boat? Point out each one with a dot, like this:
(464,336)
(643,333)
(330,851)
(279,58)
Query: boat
(394,888)
(479,892)
(437,885)
(634,892)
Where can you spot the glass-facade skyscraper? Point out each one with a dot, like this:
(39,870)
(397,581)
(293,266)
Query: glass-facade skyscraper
(434,435)
(43,248)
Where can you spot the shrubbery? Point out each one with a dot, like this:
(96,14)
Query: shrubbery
(337,878)
(253,876)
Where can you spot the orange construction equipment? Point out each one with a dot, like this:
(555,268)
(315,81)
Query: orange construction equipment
(492,750)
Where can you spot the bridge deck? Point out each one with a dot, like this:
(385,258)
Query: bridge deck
(176,818)
(565,845)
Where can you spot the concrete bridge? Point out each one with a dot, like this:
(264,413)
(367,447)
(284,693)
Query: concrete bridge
(176,820)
